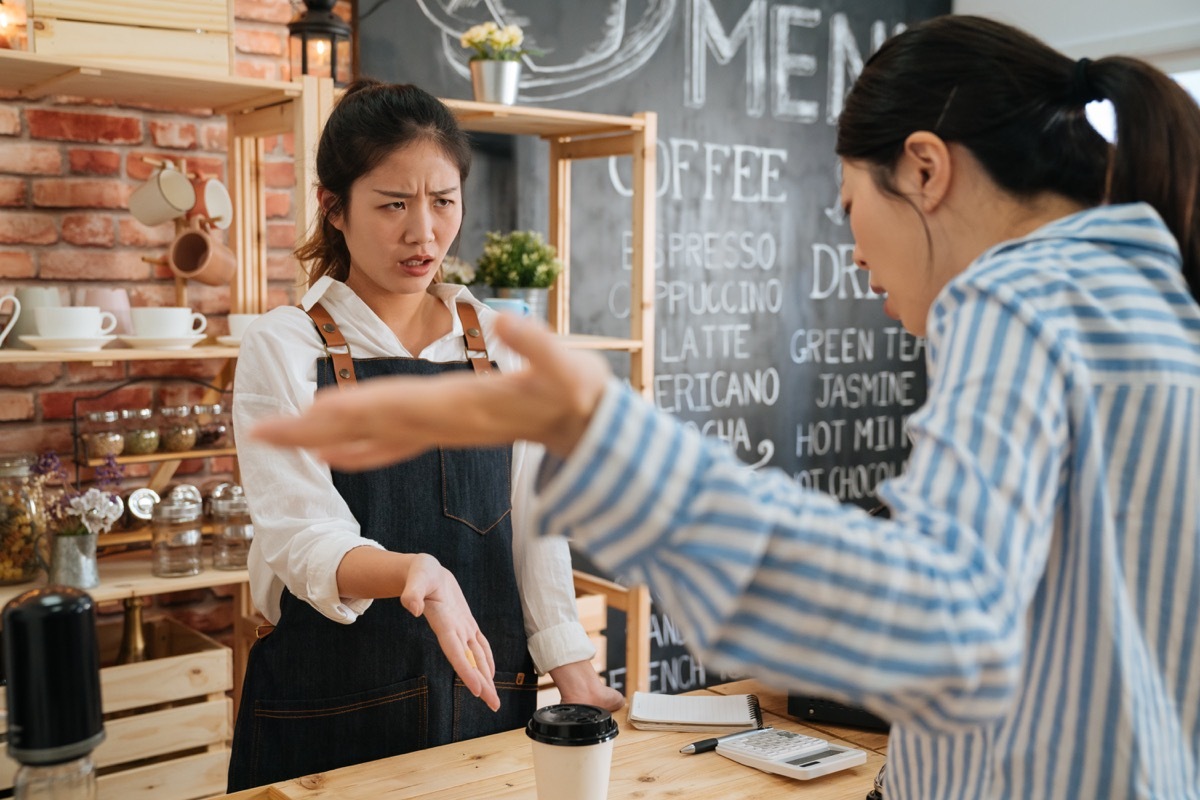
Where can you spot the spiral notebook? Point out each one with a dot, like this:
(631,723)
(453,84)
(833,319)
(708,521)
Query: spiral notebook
(701,714)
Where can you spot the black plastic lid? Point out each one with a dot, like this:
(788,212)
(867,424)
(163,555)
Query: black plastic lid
(52,662)
(571,724)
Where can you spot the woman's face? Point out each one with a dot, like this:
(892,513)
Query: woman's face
(400,220)
(890,242)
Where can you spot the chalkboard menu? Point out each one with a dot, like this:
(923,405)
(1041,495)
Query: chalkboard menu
(767,335)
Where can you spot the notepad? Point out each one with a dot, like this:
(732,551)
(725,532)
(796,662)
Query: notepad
(677,712)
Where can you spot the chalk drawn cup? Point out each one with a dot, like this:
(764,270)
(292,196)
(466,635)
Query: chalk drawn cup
(167,195)
(198,255)
(12,320)
(509,305)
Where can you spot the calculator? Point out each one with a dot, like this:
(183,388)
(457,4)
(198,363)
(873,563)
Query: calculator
(790,754)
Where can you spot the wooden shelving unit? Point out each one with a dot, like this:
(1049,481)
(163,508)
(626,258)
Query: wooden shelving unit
(574,136)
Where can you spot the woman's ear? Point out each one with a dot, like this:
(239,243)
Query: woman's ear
(327,199)
(925,169)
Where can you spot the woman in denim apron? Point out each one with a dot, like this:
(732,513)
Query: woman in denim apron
(452,660)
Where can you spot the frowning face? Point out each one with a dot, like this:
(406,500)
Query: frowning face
(400,220)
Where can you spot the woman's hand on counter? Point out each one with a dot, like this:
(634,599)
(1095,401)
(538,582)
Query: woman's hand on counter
(387,420)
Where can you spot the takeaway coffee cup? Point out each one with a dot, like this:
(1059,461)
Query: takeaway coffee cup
(167,322)
(572,751)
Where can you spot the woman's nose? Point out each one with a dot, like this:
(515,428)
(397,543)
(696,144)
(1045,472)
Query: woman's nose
(859,261)
(419,229)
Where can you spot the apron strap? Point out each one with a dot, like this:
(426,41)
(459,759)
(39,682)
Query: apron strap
(477,352)
(343,363)
(335,345)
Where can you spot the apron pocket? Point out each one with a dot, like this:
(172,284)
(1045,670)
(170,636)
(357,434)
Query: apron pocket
(477,486)
(300,738)
(518,699)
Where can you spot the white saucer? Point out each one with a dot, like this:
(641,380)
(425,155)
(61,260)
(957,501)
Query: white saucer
(164,342)
(229,341)
(79,344)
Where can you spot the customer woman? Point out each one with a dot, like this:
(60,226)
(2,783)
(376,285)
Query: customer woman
(348,674)
(1028,617)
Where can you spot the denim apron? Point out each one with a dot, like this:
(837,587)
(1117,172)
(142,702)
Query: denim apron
(319,694)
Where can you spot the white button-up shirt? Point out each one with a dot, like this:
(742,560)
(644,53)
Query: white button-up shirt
(303,527)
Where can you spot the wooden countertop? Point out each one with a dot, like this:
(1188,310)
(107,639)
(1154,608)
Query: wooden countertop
(646,764)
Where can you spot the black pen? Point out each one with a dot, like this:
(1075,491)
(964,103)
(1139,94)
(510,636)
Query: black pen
(705,745)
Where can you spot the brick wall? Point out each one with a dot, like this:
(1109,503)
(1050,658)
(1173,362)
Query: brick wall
(67,168)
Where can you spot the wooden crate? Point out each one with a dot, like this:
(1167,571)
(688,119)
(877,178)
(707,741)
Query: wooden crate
(167,720)
(193,37)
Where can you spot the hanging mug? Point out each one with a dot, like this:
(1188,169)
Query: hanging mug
(167,195)
(198,255)
(12,319)
(213,203)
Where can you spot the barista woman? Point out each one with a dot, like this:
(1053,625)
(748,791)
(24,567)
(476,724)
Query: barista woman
(349,674)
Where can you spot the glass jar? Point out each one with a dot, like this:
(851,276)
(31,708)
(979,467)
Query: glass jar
(101,435)
(213,422)
(141,431)
(176,534)
(178,429)
(18,520)
(232,529)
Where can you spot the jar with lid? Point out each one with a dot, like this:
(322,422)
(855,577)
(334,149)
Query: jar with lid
(141,431)
(176,534)
(213,422)
(178,429)
(102,435)
(232,529)
(19,520)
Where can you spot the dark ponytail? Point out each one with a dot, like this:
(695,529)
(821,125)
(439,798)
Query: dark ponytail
(1018,106)
(369,122)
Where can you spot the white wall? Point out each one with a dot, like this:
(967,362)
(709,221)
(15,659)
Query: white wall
(1164,32)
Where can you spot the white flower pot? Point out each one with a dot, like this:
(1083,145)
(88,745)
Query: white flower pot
(495,81)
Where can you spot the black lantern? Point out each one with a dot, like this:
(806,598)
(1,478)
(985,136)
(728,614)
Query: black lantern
(320,43)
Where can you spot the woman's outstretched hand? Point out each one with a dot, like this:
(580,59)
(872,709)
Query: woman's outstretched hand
(391,419)
(431,591)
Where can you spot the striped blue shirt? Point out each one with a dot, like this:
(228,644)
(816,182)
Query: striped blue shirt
(1028,617)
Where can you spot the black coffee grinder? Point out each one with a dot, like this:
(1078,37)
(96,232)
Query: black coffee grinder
(52,666)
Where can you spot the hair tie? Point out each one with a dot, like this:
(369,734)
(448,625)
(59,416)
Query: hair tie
(1081,91)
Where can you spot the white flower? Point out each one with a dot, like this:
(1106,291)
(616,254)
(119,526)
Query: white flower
(97,510)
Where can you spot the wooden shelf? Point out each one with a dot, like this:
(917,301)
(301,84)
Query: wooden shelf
(32,76)
(115,354)
(548,123)
(582,341)
(151,458)
(128,575)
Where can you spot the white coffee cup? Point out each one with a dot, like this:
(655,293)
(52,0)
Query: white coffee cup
(572,751)
(167,322)
(239,322)
(31,297)
(167,195)
(12,300)
(73,322)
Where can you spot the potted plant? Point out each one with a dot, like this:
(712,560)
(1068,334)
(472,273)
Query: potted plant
(495,61)
(521,265)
